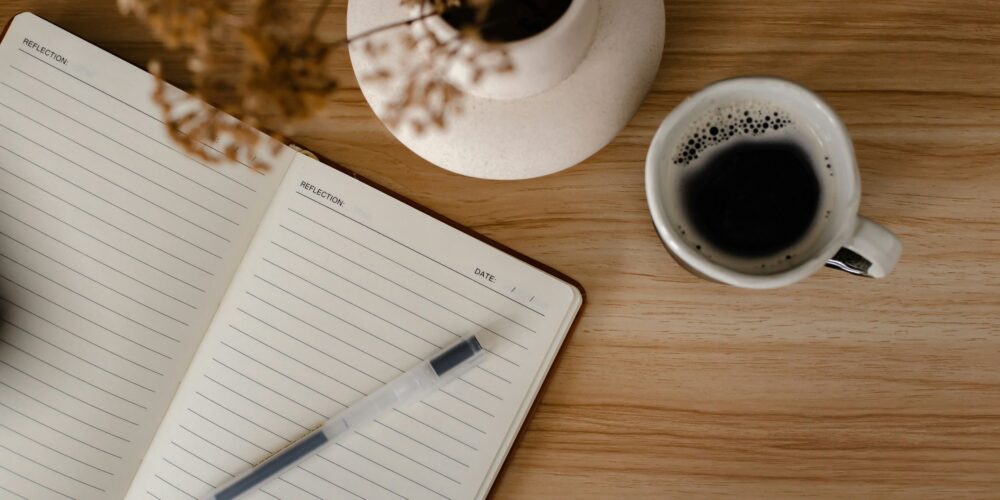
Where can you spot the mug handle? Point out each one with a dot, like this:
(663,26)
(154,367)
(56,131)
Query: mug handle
(872,252)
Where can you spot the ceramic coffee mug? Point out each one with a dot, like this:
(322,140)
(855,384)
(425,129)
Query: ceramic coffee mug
(744,110)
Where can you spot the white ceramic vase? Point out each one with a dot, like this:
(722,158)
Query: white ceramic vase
(576,86)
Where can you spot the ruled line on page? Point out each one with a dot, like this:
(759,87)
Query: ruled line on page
(358,475)
(135,172)
(435,429)
(301,363)
(92,301)
(88,320)
(141,111)
(28,417)
(286,376)
(120,230)
(406,458)
(257,403)
(18,495)
(39,443)
(421,443)
(158,141)
(63,392)
(492,352)
(337,485)
(342,320)
(73,376)
(36,482)
(90,236)
(68,353)
(61,412)
(92,280)
(127,147)
(214,445)
(95,173)
(465,402)
(397,283)
(493,373)
(356,305)
(409,458)
(202,459)
(453,417)
(105,349)
(396,325)
(418,252)
(63,474)
(227,431)
(185,471)
(275,391)
(123,123)
(243,417)
(110,203)
(376,252)
(480,389)
(272,495)
(90,258)
(175,487)
(387,300)
(324,332)
(303,490)
(390,469)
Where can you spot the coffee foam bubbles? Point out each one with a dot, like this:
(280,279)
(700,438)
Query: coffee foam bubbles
(726,122)
(740,120)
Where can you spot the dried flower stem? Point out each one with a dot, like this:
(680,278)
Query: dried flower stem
(379,29)
(284,72)
(317,16)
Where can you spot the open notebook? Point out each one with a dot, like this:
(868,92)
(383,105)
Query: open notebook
(165,325)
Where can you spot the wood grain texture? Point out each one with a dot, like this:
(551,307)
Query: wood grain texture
(675,387)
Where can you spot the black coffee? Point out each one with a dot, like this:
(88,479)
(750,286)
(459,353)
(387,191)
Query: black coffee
(752,198)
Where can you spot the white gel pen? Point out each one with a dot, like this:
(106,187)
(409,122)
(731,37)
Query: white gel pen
(413,385)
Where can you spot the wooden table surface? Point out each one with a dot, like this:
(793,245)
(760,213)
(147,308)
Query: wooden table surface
(676,387)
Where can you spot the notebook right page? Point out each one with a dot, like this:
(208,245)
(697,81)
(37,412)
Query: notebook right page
(343,289)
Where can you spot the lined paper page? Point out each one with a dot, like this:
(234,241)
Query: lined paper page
(342,290)
(115,250)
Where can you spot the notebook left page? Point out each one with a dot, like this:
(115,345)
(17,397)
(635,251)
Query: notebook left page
(115,250)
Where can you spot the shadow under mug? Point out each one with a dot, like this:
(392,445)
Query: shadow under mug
(840,238)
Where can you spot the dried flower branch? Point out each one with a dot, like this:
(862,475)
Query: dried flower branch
(285,72)
(426,93)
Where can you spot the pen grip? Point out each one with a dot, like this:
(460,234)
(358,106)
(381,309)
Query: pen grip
(268,469)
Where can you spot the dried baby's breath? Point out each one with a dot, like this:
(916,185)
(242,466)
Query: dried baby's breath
(284,73)
(426,94)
